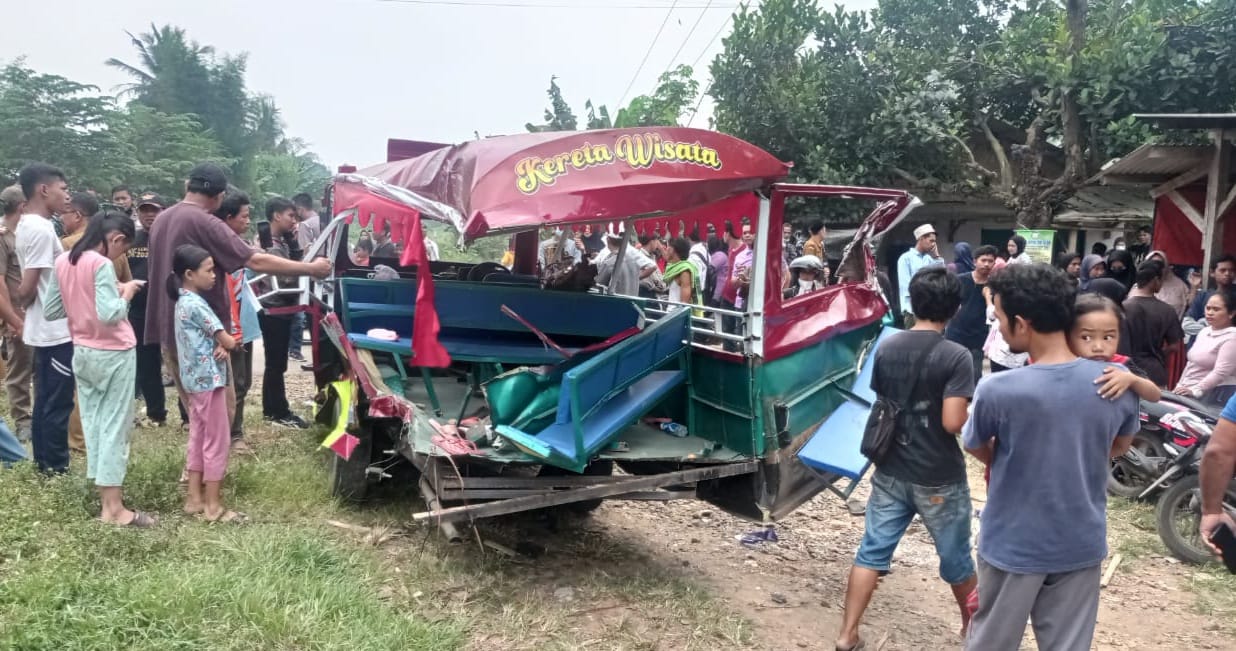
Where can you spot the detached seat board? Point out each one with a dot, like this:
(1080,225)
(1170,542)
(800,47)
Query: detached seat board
(602,396)
(834,447)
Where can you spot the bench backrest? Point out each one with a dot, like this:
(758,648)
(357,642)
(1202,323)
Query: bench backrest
(477,307)
(589,385)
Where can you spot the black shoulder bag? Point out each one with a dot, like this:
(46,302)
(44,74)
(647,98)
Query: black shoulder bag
(882,424)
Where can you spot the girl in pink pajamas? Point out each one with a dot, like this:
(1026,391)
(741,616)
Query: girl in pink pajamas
(202,348)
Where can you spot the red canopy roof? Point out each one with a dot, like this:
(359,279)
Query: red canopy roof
(512,183)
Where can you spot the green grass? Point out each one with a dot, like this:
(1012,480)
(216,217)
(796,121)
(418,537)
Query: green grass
(281,582)
(287,580)
(1133,525)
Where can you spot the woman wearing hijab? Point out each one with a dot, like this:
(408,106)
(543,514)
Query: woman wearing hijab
(1070,264)
(1175,291)
(1092,266)
(1017,250)
(1109,287)
(1120,267)
(963,259)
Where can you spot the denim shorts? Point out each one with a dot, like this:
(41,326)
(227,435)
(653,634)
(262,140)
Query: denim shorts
(945,511)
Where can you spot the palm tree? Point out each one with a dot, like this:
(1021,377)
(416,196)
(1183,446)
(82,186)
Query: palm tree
(165,56)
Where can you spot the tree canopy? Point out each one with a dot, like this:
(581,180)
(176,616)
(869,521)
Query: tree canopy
(668,104)
(185,105)
(1019,100)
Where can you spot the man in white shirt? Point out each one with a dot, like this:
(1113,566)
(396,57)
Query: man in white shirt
(47,192)
(923,254)
(624,280)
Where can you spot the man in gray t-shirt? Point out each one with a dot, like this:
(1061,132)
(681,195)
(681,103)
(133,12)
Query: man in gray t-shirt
(1048,437)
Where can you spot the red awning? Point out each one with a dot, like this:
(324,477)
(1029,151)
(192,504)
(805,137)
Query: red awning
(514,183)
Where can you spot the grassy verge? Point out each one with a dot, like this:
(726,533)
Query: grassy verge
(287,580)
(1133,525)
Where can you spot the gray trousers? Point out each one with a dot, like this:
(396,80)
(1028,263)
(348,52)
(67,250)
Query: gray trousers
(1062,608)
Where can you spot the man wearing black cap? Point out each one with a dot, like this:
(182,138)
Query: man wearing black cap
(191,222)
(149,355)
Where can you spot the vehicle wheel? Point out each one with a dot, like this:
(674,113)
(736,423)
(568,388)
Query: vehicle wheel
(1178,515)
(594,469)
(1127,481)
(349,479)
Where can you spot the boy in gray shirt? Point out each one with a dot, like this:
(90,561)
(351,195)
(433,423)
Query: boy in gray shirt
(1048,437)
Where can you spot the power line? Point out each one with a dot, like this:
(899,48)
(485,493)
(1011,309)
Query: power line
(646,53)
(712,40)
(688,38)
(696,110)
(550,5)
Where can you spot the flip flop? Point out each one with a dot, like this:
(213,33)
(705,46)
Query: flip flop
(228,517)
(142,520)
(857,646)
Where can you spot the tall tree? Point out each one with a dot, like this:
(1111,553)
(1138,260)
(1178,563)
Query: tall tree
(558,117)
(916,91)
(671,101)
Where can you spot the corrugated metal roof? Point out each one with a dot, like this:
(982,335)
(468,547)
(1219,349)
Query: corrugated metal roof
(1155,163)
(1107,203)
(1190,120)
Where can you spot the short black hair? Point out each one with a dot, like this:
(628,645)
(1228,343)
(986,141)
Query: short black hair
(1148,272)
(694,234)
(277,205)
(935,294)
(1065,259)
(303,200)
(716,245)
(1214,264)
(681,246)
(35,174)
(365,245)
(1098,248)
(1143,229)
(815,226)
(648,237)
(986,249)
(121,188)
(84,203)
(1039,293)
(232,204)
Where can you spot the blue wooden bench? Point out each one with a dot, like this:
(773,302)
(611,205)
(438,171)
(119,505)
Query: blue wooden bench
(834,448)
(605,394)
(473,328)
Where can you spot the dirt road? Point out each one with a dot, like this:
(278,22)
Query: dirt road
(785,595)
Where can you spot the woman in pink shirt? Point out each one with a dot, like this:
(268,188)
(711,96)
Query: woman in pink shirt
(96,304)
(1211,371)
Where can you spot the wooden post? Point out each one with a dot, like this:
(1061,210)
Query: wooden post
(1216,191)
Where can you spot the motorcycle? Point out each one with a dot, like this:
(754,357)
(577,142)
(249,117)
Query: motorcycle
(1179,511)
(1169,428)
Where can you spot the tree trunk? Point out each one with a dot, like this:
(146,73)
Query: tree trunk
(1037,198)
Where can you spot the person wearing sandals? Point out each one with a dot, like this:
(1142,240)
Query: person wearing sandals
(203,347)
(86,292)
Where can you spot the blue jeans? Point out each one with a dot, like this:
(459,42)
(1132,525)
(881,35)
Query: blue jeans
(11,450)
(945,511)
(53,403)
(297,336)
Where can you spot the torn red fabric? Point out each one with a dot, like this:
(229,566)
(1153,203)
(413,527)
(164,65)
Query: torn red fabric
(406,225)
(345,445)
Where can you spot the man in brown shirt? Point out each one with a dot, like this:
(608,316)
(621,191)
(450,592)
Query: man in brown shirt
(191,222)
(18,357)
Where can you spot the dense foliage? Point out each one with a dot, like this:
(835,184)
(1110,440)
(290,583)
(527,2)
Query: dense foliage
(185,105)
(1021,100)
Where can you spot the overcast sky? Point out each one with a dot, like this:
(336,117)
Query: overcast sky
(348,74)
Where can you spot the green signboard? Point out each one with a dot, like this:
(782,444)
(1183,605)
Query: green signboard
(1039,244)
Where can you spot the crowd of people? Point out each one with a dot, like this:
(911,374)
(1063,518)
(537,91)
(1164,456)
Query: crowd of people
(1072,348)
(97,303)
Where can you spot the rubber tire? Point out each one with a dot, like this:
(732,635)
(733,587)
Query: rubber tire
(594,469)
(1115,487)
(1166,522)
(349,480)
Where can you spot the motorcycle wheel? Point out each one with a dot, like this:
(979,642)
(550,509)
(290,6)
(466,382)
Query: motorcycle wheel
(1124,480)
(1178,516)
